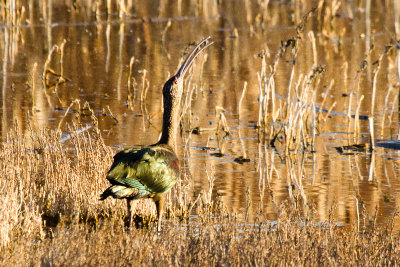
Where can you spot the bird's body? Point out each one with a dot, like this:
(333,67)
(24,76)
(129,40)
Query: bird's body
(141,173)
(151,171)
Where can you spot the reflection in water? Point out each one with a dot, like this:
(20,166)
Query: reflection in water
(117,55)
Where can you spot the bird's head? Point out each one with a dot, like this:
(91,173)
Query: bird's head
(174,86)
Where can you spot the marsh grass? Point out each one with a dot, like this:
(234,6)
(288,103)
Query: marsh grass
(213,241)
(51,215)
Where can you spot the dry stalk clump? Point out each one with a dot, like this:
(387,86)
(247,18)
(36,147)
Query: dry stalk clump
(291,118)
(47,180)
(294,118)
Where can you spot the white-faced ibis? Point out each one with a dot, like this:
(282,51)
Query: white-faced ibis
(151,171)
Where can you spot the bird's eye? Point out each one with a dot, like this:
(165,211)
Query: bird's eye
(176,81)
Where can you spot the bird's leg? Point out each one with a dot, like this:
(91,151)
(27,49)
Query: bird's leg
(159,200)
(129,221)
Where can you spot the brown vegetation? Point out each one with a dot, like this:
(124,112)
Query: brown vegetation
(51,215)
(283,198)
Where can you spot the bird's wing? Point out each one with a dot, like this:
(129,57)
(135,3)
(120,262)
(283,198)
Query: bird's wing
(154,169)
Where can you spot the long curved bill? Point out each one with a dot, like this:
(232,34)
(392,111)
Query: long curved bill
(192,55)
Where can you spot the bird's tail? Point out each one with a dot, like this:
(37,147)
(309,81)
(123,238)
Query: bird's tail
(119,191)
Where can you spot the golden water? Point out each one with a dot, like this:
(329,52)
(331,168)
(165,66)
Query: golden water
(101,40)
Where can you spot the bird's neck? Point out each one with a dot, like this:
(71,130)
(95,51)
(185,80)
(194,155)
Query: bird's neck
(170,120)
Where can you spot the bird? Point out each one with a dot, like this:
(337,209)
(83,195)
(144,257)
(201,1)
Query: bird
(151,171)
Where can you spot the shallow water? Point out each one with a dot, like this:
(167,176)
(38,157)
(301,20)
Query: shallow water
(101,40)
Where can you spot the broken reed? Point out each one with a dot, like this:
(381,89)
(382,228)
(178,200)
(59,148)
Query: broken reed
(372,118)
(289,117)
